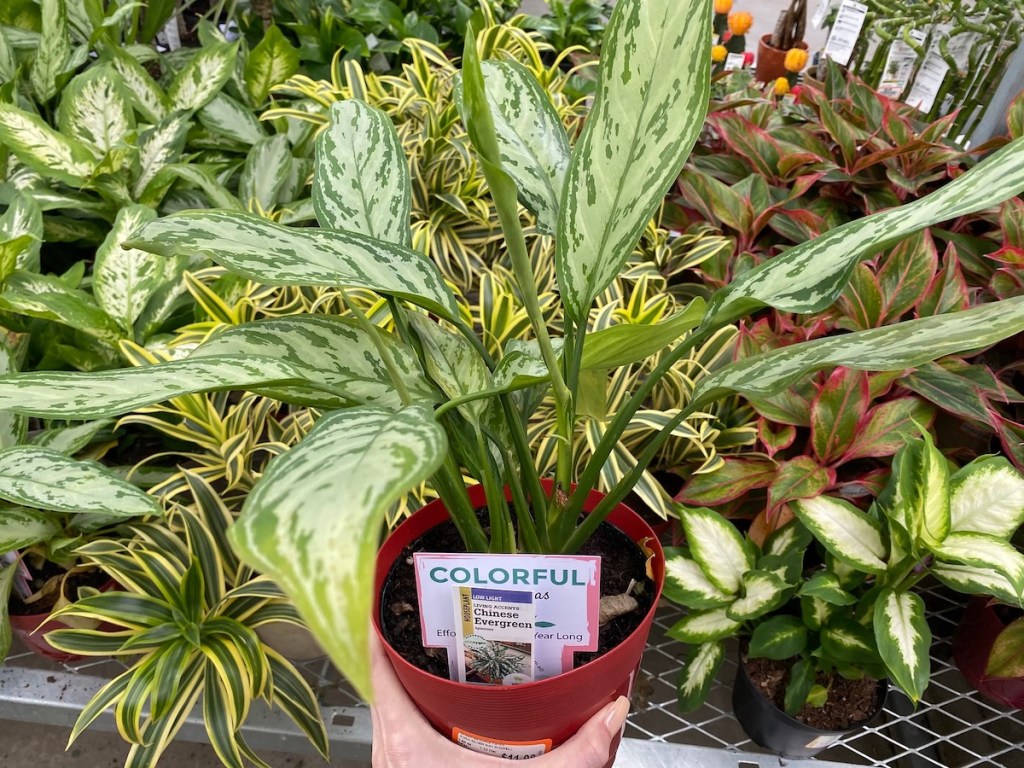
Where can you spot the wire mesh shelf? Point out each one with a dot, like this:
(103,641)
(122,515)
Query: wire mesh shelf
(953,727)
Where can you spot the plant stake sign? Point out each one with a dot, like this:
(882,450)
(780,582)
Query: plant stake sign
(508,619)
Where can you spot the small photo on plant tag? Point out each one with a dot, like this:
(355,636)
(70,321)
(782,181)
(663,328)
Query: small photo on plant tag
(495,630)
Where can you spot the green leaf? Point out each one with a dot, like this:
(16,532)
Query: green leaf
(809,277)
(703,627)
(204,75)
(903,640)
(698,672)
(888,426)
(271,62)
(148,97)
(532,142)
(266,169)
(361,179)
(321,546)
(626,343)
(924,490)
(8,66)
(43,149)
(453,364)
(6,583)
(845,531)
(49,298)
(651,99)
(975,581)
(792,537)
(95,109)
(826,587)
(801,681)
(227,117)
(21,527)
(892,348)
(70,440)
(836,412)
(987,496)
(331,351)
(275,255)
(733,479)
(779,637)
(1006,659)
(45,479)
(125,279)
(845,640)
(686,584)
(159,146)
(798,478)
(762,592)
(53,55)
(13,427)
(981,550)
(717,546)
(23,218)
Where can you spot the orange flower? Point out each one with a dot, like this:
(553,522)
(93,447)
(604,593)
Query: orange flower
(740,22)
(719,53)
(723,6)
(781,86)
(796,59)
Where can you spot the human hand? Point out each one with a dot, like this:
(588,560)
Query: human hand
(402,737)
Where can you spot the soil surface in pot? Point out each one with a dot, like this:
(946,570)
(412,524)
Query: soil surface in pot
(93,578)
(849,701)
(621,562)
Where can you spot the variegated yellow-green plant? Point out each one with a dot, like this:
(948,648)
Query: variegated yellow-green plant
(429,401)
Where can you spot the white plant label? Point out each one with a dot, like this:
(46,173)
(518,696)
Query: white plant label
(845,31)
(899,66)
(928,82)
(538,607)
(733,62)
(169,36)
(821,13)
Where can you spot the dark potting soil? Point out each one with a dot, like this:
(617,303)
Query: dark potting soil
(621,562)
(849,701)
(92,578)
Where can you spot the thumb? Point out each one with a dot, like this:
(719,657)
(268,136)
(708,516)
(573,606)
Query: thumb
(592,743)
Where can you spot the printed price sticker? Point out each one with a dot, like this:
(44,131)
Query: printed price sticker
(845,31)
(508,750)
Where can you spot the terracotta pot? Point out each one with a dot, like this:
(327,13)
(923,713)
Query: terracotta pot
(972,645)
(773,729)
(545,712)
(31,630)
(291,641)
(771,62)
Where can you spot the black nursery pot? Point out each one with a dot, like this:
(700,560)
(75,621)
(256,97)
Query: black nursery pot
(773,729)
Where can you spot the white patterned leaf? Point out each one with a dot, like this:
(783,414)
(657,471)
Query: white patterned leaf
(717,546)
(698,672)
(160,146)
(975,581)
(845,531)
(453,363)
(8,60)
(762,592)
(271,62)
(124,279)
(987,497)
(45,479)
(20,527)
(652,96)
(147,96)
(531,139)
(43,149)
(904,640)
(332,351)
(361,181)
(686,584)
(892,348)
(704,626)
(981,550)
(314,520)
(53,55)
(49,298)
(266,169)
(276,255)
(810,276)
(24,217)
(71,440)
(203,77)
(229,118)
(13,426)
(96,110)
(925,490)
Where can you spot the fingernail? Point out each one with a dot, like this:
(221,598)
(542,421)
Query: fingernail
(616,716)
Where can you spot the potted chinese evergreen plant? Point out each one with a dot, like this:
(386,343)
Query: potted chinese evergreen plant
(428,402)
(817,668)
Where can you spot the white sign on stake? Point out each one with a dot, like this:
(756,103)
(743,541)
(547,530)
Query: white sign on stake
(928,82)
(845,31)
(899,66)
(821,13)
(541,608)
(733,61)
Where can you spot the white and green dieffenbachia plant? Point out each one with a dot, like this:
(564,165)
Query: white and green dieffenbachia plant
(857,613)
(428,401)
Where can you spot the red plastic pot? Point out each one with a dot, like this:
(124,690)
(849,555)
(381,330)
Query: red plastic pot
(545,712)
(972,645)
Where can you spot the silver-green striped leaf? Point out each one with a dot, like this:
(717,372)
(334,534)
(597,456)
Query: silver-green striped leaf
(313,522)
(148,97)
(203,77)
(810,276)
(532,141)
(160,146)
(49,298)
(844,531)
(361,180)
(981,550)
(987,497)
(698,672)
(718,547)
(21,527)
(904,640)
(892,348)
(6,583)
(43,149)
(266,169)
(125,279)
(45,479)
(276,255)
(13,426)
(271,62)
(229,118)
(8,63)
(53,55)
(96,110)
(70,440)
(453,363)
(332,351)
(652,96)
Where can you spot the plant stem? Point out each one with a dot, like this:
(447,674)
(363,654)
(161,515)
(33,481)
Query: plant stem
(527,528)
(382,349)
(502,535)
(450,486)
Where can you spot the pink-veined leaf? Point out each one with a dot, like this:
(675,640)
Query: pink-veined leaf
(836,411)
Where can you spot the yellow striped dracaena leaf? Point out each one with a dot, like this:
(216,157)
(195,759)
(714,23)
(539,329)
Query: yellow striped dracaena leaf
(277,255)
(652,96)
(319,543)
(361,180)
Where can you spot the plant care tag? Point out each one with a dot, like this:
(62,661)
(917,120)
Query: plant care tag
(899,65)
(523,616)
(845,31)
(928,82)
(733,62)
